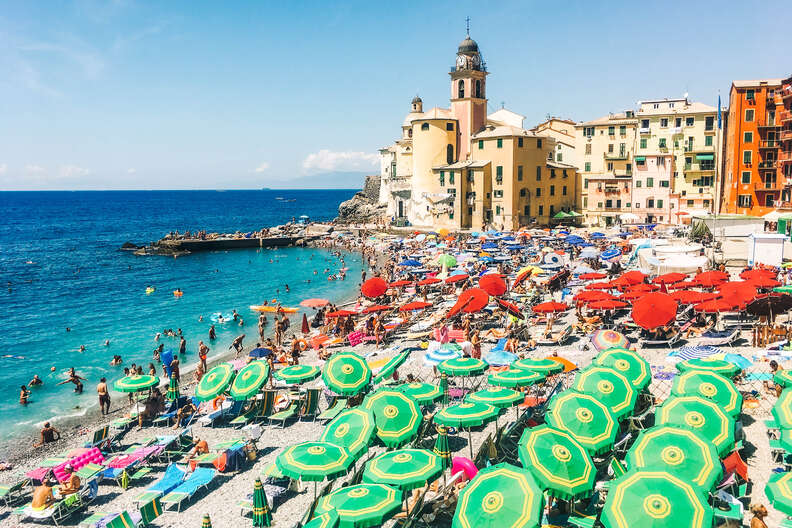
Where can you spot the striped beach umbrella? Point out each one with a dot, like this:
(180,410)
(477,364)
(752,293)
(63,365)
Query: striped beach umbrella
(405,469)
(560,465)
(328,519)
(783,378)
(362,505)
(314,461)
(262,515)
(207,522)
(297,373)
(135,383)
(710,364)
(441,447)
(173,389)
(703,416)
(423,393)
(464,366)
(497,397)
(779,491)
(249,380)
(782,410)
(444,387)
(609,387)
(605,339)
(468,414)
(353,429)
(709,385)
(515,377)
(346,373)
(627,362)
(588,420)
(214,382)
(392,364)
(396,415)
(544,366)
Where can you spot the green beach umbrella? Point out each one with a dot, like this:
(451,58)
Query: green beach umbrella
(468,414)
(779,491)
(709,385)
(560,465)
(782,410)
(497,397)
(502,496)
(515,377)
(396,415)
(785,440)
(586,418)
(703,416)
(655,499)
(297,373)
(711,364)
(346,373)
(446,260)
(783,378)
(262,516)
(249,380)
(328,519)
(405,469)
(135,383)
(353,429)
(609,387)
(464,366)
(392,364)
(444,387)
(214,382)
(544,366)
(314,461)
(441,447)
(627,362)
(423,393)
(678,451)
(207,522)
(173,389)
(362,505)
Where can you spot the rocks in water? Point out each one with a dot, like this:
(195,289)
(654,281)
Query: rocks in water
(364,206)
(129,246)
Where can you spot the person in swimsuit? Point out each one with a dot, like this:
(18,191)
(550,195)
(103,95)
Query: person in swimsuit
(42,496)
(104,396)
(48,435)
(24,394)
(74,378)
(35,381)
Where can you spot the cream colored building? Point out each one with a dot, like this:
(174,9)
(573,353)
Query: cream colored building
(461,168)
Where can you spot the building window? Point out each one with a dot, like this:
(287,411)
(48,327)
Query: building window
(638,183)
(461,89)
(585,202)
(587,166)
(610,148)
(527,210)
(478,89)
(451,178)
(749,115)
(663,143)
(650,182)
(644,123)
(500,142)
(552,210)
(470,176)
(442,178)
(744,200)
(519,142)
(747,137)
(611,131)
(519,172)
(538,173)
(450,154)
(522,192)
(559,157)
(689,121)
(588,148)
(643,143)
(552,190)
(499,174)
(608,204)
(749,95)
(688,162)
(709,123)
(659,204)
(541,210)
(451,216)
(449,126)
(746,176)
(564,190)
(497,209)
(640,162)
(481,144)
(409,133)
(538,192)
(497,194)
(707,141)
(623,131)
(664,183)
(610,166)
(552,173)
(585,183)
(539,143)
(650,203)
(663,122)
(747,156)
(425,126)
(588,131)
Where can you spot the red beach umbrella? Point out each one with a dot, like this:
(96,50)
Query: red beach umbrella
(643,287)
(305,328)
(764,282)
(550,307)
(599,286)
(632,277)
(684,285)
(341,313)
(715,306)
(456,278)
(669,278)
(692,297)
(493,284)
(750,274)
(377,308)
(712,278)
(607,305)
(631,295)
(738,293)
(592,295)
(374,287)
(399,284)
(415,305)
(513,309)
(429,281)
(654,310)
(314,303)
(592,276)
(470,301)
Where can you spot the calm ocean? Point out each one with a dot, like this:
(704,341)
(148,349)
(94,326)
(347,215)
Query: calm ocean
(61,267)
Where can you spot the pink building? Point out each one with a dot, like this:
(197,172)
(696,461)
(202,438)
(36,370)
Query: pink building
(651,194)
(608,197)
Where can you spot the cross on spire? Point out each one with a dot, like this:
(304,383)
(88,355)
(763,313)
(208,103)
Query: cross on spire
(467,25)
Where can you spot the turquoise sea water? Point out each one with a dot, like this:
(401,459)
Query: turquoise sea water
(61,268)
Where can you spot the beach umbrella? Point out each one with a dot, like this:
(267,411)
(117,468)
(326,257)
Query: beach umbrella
(627,362)
(467,414)
(783,378)
(423,393)
(463,366)
(702,416)
(632,277)
(711,364)
(346,373)
(262,516)
(692,297)
(314,303)
(592,276)
(737,293)
(709,385)
(304,328)
(297,373)
(784,289)
(605,339)
(608,305)
(173,389)
(769,304)
(328,519)
(396,415)
(764,282)
(444,388)
(260,352)
(627,296)
(782,410)
(643,287)
(470,301)
(609,387)
(362,505)
(207,522)
(779,491)
(353,429)
(374,287)
(135,383)
(314,461)
(214,382)
(405,469)
(709,279)
(441,447)
(560,465)
(715,306)
(655,499)
(591,296)
(753,273)
(515,377)
(497,397)
(340,313)
(410,262)
(493,284)
(680,451)
(376,309)
(428,282)
(669,278)
(446,260)
(586,418)
(546,366)
(457,278)
(654,310)
(415,305)
(512,309)
(599,286)
(249,380)
(399,284)
(550,307)
(503,496)
(785,440)
(392,364)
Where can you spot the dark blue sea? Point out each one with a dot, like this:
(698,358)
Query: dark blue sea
(61,267)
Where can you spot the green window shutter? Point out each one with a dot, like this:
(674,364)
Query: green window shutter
(650,182)
(481,144)
(659,204)
(662,142)
(643,143)
(588,166)
(500,142)
(451,177)
(708,141)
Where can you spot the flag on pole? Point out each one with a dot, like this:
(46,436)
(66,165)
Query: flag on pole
(720,121)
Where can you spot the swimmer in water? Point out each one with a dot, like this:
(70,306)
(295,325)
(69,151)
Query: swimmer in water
(235,314)
(35,381)
(107,342)
(200,318)
(220,319)
(156,337)
(24,394)
(74,378)
(82,348)
(287,288)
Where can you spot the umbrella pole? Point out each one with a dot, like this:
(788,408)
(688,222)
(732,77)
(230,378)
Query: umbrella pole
(314,492)
(470,442)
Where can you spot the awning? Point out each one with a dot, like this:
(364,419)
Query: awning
(640,158)
(705,157)
(561,214)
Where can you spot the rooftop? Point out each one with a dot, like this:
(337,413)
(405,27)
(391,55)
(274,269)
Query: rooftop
(504,130)
(757,83)
(610,119)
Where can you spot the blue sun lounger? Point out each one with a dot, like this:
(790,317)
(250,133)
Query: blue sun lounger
(173,477)
(200,478)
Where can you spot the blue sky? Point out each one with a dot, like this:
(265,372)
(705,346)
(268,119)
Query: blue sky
(151,95)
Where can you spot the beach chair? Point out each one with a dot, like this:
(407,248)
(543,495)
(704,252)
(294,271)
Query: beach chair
(286,414)
(200,478)
(140,519)
(12,493)
(338,404)
(209,419)
(310,407)
(246,416)
(559,339)
(712,338)
(174,475)
(94,519)
(99,436)
(668,342)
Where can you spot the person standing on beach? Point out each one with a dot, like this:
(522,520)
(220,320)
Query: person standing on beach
(203,350)
(278,332)
(174,366)
(212,335)
(237,345)
(104,396)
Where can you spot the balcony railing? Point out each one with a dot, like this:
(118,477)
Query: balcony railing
(617,155)
(770,143)
(786,94)
(786,134)
(623,173)
(676,130)
(645,130)
(768,125)
(771,185)
(771,164)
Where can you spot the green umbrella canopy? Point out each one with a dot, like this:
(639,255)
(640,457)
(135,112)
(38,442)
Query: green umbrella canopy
(314,461)
(396,415)
(783,378)
(782,410)
(464,366)
(711,364)
(785,439)
(502,496)
(441,447)
(446,260)
(609,387)
(586,418)
(709,385)
(497,397)
(297,373)
(392,364)
(362,505)
(328,519)
(632,366)
(444,388)
(135,383)
(702,416)
(560,465)
(214,382)
(515,377)
(544,366)
(346,373)
(779,491)
(262,516)
(352,429)
(173,389)
(249,380)
(468,414)
(655,499)
(423,393)
(405,469)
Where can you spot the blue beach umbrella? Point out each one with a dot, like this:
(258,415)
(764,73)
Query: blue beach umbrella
(409,262)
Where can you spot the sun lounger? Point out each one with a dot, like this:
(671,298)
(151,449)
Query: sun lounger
(95,518)
(200,478)
(61,509)
(668,342)
(12,493)
(174,475)
(711,338)
(338,405)
(227,407)
(559,339)
(246,416)
(99,436)
(286,414)
(310,407)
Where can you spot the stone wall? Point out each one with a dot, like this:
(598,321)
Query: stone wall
(364,206)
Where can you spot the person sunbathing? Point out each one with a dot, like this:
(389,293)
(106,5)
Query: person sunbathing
(700,326)
(185,412)
(200,448)
(72,485)
(42,496)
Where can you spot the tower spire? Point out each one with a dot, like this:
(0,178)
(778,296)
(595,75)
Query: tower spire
(467,25)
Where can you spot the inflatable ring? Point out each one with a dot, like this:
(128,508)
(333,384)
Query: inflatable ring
(464,465)
(303,344)
(218,399)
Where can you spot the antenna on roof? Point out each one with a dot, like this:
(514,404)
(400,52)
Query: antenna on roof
(467,25)
(503,104)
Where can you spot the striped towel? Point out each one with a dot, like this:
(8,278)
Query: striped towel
(692,352)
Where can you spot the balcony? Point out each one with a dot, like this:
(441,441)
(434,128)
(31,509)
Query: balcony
(768,126)
(770,185)
(785,134)
(700,167)
(765,165)
(623,173)
(676,131)
(786,94)
(699,148)
(769,144)
(612,190)
(645,130)
(622,155)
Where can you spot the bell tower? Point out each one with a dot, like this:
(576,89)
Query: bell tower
(468,92)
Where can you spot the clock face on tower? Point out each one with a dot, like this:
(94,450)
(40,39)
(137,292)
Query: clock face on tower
(461,61)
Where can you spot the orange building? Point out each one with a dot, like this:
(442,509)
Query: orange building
(784,113)
(752,184)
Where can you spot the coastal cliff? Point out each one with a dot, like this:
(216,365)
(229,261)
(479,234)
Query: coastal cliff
(364,206)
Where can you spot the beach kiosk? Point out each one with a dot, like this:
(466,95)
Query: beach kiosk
(766,248)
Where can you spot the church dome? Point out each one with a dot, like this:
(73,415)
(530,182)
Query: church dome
(416,100)
(468,46)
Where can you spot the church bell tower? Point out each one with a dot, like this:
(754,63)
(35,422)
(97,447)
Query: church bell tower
(468,93)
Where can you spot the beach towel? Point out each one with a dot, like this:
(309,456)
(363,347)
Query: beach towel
(355,338)
(692,352)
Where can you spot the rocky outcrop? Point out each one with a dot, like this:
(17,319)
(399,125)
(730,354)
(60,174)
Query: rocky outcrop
(364,206)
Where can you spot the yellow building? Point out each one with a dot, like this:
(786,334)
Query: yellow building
(460,168)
